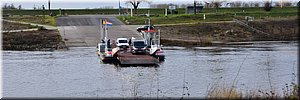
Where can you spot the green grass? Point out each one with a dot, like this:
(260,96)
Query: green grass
(83,11)
(223,14)
(156,11)
(47,20)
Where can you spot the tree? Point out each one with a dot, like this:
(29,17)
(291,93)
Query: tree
(277,4)
(236,4)
(20,7)
(245,4)
(287,3)
(5,6)
(251,4)
(256,4)
(207,5)
(215,4)
(268,6)
(183,5)
(136,3)
(12,6)
(162,6)
(34,7)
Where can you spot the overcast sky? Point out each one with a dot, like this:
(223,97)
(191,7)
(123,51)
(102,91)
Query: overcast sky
(71,4)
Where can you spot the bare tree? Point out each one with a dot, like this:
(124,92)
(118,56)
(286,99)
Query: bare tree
(136,3)
(34,7)
(215,3)
(20,7)
(162,6)
(236,4)
(251,4)
(256,4)
(295,4)
(287,3)
(207,4)
(246,4)
(5,6)
(183,5)
(277,4)
(12,6)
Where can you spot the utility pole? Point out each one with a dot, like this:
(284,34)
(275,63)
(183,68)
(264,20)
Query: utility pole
(43,7)
(49,5)
(119,7)
(195,11)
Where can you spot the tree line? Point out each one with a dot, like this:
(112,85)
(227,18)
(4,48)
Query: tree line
(232,4)
(11,6)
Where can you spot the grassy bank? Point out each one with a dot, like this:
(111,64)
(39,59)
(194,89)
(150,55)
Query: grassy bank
(45,20)
(84,11)
(206,33)
(223,14)
(156,11)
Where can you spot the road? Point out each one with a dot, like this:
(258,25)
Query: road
(84,30)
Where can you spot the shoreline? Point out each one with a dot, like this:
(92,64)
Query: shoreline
(209,34)
(40,40)
(183,43)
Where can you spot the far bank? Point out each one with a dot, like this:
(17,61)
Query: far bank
(204,34)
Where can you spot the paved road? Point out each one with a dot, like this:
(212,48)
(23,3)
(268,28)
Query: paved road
(84,30)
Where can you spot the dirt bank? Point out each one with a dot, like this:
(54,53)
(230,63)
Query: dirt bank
(7,26)
(33,40)
(206,33)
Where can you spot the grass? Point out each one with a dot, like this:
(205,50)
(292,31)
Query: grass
(47,20)
(224,93)
(83,11)
(224,14)
(290,92)
(177,19)
(156,11)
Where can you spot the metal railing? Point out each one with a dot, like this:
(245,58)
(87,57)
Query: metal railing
(248,26)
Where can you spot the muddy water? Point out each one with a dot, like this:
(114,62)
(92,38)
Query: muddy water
(187,72)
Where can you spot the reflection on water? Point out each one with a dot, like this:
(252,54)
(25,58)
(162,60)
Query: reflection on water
(186,72)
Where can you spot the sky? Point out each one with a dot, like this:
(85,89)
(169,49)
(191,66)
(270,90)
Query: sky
(82,4)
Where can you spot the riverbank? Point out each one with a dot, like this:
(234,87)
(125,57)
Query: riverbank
(44,20)
(20,37)
(208,33)
(7,26)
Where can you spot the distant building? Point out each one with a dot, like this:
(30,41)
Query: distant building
(190,9)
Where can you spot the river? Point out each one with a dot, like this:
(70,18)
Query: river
(186,72)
